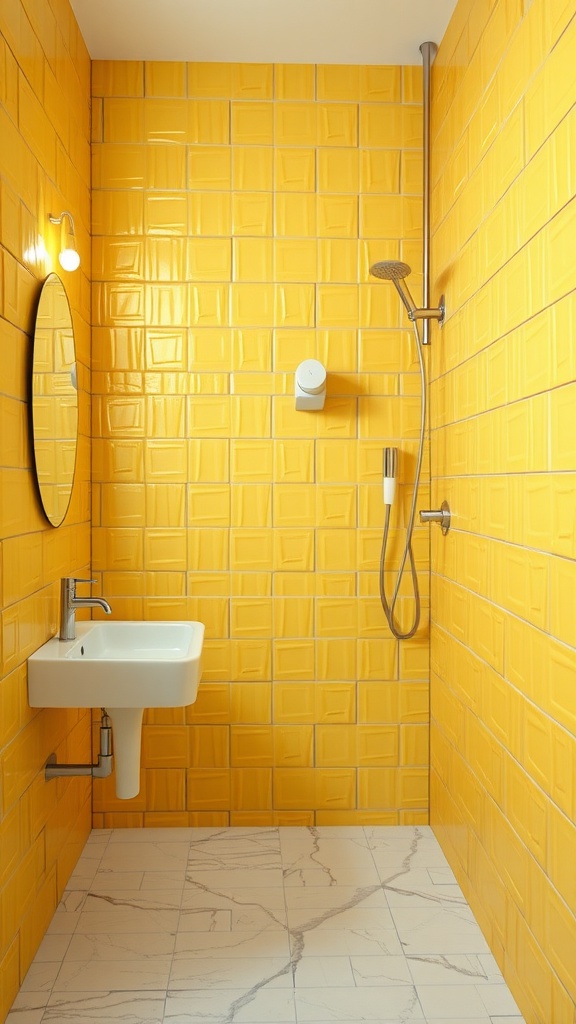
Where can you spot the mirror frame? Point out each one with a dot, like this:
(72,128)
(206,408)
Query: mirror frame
(45,354)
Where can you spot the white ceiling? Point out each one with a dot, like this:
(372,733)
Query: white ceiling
(262,31)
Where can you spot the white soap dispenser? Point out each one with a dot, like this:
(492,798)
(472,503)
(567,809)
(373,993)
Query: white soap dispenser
(310,385)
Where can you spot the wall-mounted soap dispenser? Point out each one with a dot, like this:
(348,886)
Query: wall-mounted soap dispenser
(310,385)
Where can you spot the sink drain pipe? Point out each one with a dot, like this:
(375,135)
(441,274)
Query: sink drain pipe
(101,770)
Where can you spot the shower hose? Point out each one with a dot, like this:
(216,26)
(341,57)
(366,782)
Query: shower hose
(390,606)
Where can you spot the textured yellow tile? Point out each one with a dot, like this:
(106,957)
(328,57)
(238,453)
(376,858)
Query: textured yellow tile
(118,549)
(294,505)
(336,746)
(251,350)
(252,124)
(123,505)
(295,215)
(294,305)
(293,617)
(335,788)
(338,263)
(253,168)
(117,78)
(250,703)
(165,549)
(293,659)
(295,124)
(392,124)
(164,78)
(209,123)
(411,83)
(336,659)
(411,174)
(210,213)
(336,550)
(294,81)
(210,349)
(252,81)
(337,216)
(251,584)
(251,461)
(212,705)
(336,617)
(250,415)
(251,790)
(207,460)
(250,549)
(377,787)
(210,167)
(337,124)
(294,584)
(338,82)
(295,170)
(294,703)
(251,505)
(251,745)
(210,79)
(207,789)
(295,260)
(335,702)
(253,259)
(337,305)
(413,787)
(293,550)
(251,659)
(252,305)
(294,788)
(336,506)
(414,745)
(289,422)
(123,120)
(209,416)
(208,305)
(208,505)
(208,550)
(378,702)
(164,746)
(293,746)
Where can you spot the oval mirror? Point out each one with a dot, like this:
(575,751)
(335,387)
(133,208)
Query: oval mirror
(54,400)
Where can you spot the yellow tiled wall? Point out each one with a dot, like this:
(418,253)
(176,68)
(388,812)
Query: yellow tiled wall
(503,789)
(236,210)
(44,168)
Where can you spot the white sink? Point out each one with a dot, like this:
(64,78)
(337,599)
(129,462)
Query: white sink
(123,667)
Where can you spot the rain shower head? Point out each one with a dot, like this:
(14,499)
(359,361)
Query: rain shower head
(390,270)
(395,271)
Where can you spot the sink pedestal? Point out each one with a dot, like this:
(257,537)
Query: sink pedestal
(126,744)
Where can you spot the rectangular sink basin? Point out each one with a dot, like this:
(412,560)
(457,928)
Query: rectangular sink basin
(119,665)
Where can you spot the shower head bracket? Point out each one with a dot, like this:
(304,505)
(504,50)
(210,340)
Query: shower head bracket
(436,313)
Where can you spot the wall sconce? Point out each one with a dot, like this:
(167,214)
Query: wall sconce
(68,256)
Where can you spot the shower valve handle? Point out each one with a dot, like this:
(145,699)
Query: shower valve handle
(441,515)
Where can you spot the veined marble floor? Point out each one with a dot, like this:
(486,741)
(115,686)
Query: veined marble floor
(264,926)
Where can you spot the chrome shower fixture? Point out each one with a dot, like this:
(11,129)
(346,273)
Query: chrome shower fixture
(397,272)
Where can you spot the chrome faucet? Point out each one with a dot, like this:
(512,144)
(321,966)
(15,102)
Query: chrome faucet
(69,603)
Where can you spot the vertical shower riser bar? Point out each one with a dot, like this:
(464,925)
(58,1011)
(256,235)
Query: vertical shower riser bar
(428,51)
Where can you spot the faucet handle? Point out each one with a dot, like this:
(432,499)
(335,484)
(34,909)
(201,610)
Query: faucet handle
(76,579)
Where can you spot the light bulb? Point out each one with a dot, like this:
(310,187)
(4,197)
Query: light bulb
(69,259)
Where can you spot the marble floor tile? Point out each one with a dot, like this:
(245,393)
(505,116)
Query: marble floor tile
(253,1006)
(438,930)
(263,926)
(378,971)
(333,942)
(231,973)
(324,972)
(106,1008)
(113,975)
(389,1003)
(227,944)
(144,945)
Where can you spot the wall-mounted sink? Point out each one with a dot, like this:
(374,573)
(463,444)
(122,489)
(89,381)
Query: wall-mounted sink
(124,667)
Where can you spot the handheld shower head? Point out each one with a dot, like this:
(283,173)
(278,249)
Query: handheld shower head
(395,271)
